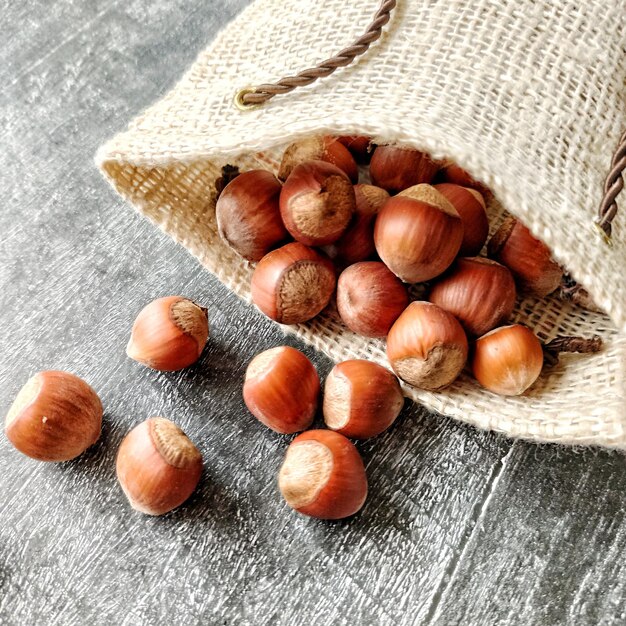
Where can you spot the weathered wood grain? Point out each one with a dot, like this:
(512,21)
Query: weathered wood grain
(77,265)
(549,546)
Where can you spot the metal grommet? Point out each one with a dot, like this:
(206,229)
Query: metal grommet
(239,102)
(606,237)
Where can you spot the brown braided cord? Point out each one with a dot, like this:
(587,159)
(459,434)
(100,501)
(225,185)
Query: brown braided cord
(557,346)
(262,93)
(612,187)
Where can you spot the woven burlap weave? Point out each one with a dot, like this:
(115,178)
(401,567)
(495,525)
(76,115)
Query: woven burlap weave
(528,95)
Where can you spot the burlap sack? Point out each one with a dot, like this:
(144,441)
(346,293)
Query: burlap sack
(528,95)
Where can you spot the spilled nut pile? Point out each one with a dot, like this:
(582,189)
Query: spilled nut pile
(419,221)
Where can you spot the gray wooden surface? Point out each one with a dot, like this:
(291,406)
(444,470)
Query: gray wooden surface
(461,527)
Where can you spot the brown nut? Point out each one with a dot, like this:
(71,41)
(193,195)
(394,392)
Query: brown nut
(370,298)
(507,360)
(361,399)
(318,148)
(157,466)
(418,234)
(528,258)
(248,215)
(55,417)
(427,347)
(323,475)
(281,389)
(479,292)
(293,284)
(357,242)
(317,203)
(169,334)
(360,147)
(395,168)
(452,173)
(470,205)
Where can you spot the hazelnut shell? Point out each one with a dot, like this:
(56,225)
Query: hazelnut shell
(361,399)
(395,168)
(507,360)
(418,234)
(169,334)
(157,466)
(293,284)
(56,416)
(529,259)
(479,292)
(317,203)
(470,206)
(318,148)
(323,475)
(248,214)
(360,147)
(281,389)
(357,242)
(427,347)
(370,298)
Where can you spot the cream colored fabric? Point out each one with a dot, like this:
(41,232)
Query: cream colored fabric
(528,95)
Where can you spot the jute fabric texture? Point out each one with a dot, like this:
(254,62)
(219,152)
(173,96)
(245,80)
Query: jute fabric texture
(528,95)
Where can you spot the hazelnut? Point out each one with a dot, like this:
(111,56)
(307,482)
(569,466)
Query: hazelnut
(452,173)
(479,292)
(360,147)
(470,206)
(293,284)
(395,168)
(427,347)
(418,233)
(169,334)
(158,467)
(370,298)
(323,475)
(361,399)
(357,242)
(248,215)
(507,360)
(317,203)
(318,148)
(55,417)
(528,259)
(281,389)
